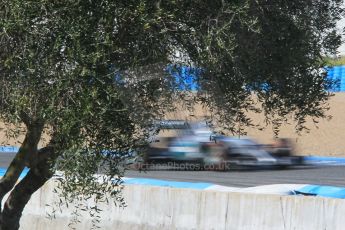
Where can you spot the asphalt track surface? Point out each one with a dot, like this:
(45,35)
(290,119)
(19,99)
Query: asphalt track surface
(318,175)
(5,159)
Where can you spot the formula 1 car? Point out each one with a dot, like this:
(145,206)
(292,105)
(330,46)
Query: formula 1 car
(194,142)
(247,152)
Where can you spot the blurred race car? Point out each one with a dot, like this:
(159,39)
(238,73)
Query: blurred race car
(183,146)
(194,142)
(247,152)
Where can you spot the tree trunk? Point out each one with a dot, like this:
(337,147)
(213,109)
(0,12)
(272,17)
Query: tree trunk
(25,153)
(21,194)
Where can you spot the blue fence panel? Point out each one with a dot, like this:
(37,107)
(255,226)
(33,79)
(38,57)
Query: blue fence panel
(187,77)
(337,73)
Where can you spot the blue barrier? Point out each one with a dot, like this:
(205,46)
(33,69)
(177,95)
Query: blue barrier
(322,191)
(3,171)
(324,160)
(9,149)
(164,183)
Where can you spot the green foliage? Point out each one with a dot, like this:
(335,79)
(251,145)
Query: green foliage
(265,56)
(93,72)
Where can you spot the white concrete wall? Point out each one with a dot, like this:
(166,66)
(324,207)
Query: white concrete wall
(170,208)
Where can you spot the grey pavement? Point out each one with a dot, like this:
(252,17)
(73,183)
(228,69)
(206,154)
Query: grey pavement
(325,175)
(5,159)
(322,175)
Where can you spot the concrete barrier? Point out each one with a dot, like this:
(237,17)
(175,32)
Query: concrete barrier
(151,207)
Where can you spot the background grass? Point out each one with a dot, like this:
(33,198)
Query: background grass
(335,61)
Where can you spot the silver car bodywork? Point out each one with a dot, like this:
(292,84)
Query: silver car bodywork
(195,142)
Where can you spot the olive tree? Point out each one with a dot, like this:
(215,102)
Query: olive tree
(92,75)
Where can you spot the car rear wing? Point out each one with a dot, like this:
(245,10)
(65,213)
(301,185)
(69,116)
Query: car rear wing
(172,124)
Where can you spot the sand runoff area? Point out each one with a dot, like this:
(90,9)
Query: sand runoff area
(328,139)
(325,139)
